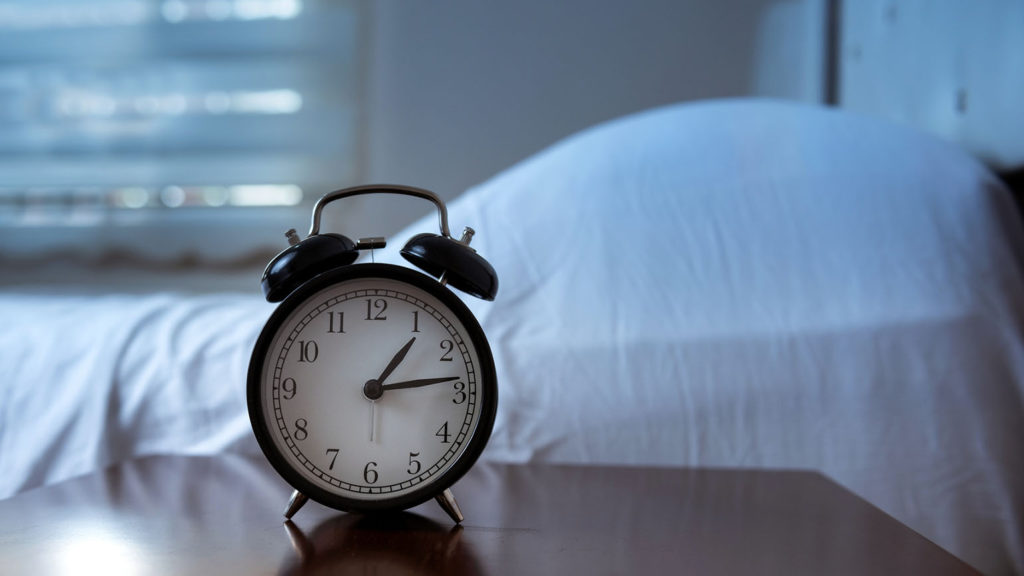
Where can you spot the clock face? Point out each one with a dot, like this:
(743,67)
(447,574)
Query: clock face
(372,387)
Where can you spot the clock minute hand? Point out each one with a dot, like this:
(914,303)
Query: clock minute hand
(399,356)
(418,383)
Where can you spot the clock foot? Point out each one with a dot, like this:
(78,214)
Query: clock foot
(448,503)
(296,502)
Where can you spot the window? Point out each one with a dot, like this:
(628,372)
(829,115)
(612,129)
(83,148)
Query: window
(170,126)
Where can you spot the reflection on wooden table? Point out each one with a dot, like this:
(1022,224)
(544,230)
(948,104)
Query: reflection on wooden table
(223,515)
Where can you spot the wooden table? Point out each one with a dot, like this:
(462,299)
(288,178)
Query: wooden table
(178,515)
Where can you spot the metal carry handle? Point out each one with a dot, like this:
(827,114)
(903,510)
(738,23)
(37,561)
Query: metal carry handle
(326,199)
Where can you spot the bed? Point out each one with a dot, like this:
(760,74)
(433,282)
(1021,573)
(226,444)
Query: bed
(739,283)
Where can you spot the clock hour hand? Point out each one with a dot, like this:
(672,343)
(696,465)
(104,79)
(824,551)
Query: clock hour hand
(418,383)
(373,389)
(399,356)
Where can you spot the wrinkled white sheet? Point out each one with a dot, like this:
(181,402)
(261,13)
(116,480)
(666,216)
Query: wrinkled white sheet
(748,284)
(88,381)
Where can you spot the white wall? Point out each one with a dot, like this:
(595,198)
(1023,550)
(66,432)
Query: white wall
(459,90)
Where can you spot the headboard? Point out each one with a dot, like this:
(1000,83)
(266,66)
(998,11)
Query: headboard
(955,69)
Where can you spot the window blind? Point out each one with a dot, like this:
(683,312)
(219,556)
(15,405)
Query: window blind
(162,116)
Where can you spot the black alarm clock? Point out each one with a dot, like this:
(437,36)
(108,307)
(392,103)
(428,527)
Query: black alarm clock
(372,386)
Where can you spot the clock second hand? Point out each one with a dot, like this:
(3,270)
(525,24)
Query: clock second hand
(373,417)
(373,389)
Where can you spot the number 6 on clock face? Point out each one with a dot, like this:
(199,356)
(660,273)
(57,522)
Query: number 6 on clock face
(375,388)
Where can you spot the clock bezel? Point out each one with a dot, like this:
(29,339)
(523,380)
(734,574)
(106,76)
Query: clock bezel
(487,383)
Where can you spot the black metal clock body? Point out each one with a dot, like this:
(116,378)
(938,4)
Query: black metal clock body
(338,429)
(372,386)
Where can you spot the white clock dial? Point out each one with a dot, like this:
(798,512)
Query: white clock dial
(371,389)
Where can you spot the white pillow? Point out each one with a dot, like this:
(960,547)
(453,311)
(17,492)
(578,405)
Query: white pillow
(764,284)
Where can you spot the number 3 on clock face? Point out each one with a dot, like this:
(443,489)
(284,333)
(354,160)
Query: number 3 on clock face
(375,388)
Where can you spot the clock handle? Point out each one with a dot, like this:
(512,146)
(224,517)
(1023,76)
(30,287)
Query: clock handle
(441,256)
(447,501)
(326,199)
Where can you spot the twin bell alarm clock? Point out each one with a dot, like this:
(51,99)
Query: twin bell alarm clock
(372,387)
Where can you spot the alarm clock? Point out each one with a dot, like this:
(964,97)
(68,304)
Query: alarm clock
(372,386)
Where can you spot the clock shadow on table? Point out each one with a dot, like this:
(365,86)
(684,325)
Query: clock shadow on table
(397,543)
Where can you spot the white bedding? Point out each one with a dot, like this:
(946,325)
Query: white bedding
(93,380)
(743,283)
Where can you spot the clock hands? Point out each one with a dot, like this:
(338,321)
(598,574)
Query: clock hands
(373,389)
(418,383)
(399,356)
(376,388)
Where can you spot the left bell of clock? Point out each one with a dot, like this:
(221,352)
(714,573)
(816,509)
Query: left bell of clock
(303,260)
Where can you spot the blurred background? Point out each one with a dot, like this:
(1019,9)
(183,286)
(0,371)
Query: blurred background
(168,144)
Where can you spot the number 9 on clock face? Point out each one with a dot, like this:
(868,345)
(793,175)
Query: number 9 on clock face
(372,387)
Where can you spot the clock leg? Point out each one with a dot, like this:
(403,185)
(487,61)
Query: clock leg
(294,503)
(447,501)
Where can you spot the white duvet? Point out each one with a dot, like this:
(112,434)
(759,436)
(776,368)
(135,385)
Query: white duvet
(749,284)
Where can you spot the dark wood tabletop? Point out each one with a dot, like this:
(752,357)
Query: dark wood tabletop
(223,515)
